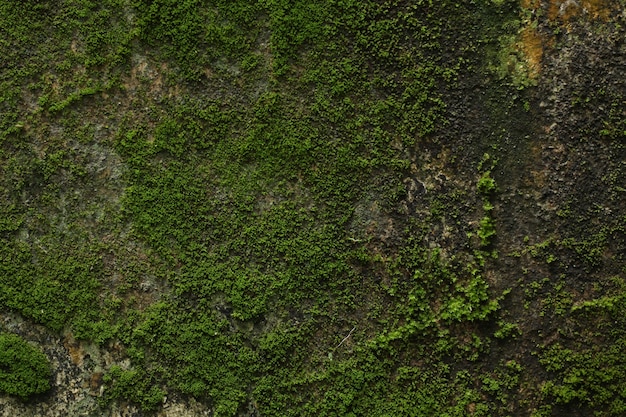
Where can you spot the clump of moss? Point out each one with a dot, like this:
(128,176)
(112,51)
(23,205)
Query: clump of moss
(24,369)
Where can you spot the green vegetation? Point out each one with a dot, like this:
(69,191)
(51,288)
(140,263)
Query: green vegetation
(272,205)
(24,369)
(591,373)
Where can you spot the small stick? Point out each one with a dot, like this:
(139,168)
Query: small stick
(346,338)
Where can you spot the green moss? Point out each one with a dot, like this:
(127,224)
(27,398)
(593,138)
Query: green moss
(486,184)
(259,162)
(24,369)
(52,291)
(134,385)
(507,330)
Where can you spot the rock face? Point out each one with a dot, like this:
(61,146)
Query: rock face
(369,208)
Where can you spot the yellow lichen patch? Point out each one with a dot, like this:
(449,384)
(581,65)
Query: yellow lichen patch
(531,45)
(521,55)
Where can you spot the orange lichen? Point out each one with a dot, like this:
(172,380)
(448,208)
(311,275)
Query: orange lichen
(531,45)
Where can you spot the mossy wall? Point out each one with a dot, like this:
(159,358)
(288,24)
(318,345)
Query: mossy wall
(320,208)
